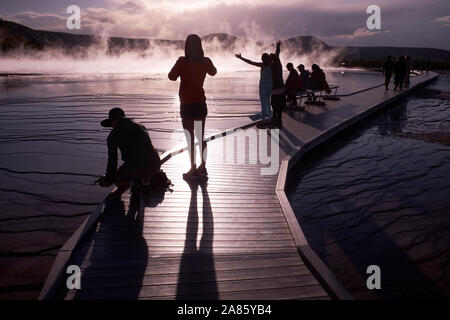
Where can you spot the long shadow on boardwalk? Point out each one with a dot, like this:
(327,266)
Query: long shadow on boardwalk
(118,226)
(192,281)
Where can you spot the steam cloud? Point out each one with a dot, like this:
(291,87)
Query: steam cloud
(158,58)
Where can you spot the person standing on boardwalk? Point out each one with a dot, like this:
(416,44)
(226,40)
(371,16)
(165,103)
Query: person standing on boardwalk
(265,86)
(278,91)
(399,72)
(388,67)
(408,67)
(192,69)
(292,85)
(140,159)
(428,65)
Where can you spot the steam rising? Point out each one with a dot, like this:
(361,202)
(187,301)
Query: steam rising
(159,57)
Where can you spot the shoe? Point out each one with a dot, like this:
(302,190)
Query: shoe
(191,174)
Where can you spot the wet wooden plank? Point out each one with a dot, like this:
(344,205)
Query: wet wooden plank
(116,253)
(291,293)
(167,266)
(103,280)
(161,231)
(182,236)
(175,259)
(207,287)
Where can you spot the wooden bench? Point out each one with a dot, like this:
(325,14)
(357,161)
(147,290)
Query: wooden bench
(320,97)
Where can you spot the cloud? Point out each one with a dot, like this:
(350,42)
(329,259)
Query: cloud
(358,33)
(174,19)
(444,20)
(338,21)
(41,20)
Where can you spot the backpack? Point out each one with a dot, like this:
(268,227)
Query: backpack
(160,182)
(154,192)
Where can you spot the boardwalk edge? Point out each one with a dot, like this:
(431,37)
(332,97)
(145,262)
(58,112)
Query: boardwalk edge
(316,265)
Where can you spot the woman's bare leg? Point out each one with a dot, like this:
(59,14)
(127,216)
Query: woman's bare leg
(188,126)
(201,142)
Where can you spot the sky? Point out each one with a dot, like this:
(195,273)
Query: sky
(405,23)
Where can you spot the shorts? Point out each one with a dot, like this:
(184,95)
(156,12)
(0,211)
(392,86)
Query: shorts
(193,110)
(129,173)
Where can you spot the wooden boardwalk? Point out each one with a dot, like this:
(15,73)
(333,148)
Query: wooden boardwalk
(230,238)
(224,239)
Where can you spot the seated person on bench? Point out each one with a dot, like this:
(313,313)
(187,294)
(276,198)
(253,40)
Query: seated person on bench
(292,85)
(304,78)
(317,81)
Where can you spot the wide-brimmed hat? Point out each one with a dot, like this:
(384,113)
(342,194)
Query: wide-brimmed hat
(114,114)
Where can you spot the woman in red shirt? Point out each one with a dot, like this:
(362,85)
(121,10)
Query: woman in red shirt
(192,69)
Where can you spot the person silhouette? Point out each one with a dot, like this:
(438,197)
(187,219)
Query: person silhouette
(388,67)
(292,85)
(399,72)
(192,70)
(278,99)
(140,159)
(265,86)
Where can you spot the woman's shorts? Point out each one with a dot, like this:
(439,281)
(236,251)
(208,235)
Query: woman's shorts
(193,110)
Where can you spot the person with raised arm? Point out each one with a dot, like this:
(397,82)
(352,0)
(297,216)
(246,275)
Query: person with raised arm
(278,92)
(265,86)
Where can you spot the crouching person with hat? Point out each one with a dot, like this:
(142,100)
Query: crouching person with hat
(140,159)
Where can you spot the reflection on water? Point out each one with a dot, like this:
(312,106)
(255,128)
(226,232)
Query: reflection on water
(378,195)
(52,148)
